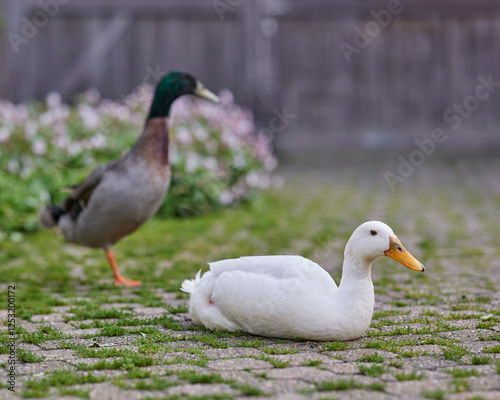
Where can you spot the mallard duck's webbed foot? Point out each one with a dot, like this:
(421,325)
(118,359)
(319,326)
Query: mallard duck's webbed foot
(119,279)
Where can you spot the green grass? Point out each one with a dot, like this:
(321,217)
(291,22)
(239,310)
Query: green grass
(251,343)
(373,358)
(197,378)
(334,346)
(462,373)
(312,363)
(154,384)
(39,387)
(341,384)
(492,349)
(372,370)
(388,313)
(273,361)
(478,360)
(459,385)
(434,394)
(82,394)
(248,390)
(43,334)
(274,350)
(29,357)
(454,353)
(127,362)
(348,384)
(211,341)
(409,376)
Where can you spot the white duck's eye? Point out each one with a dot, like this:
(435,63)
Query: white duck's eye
(373,232)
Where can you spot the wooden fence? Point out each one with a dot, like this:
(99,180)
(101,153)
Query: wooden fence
(318,74)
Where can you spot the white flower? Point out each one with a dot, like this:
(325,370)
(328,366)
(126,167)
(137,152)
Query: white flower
(46,118)
(200,133)
(89,116)
(13,165)
(226,198)
(254,179)
(192,162)
(183,136)
(210,163)
(270,163)
(53,99)
(20,113)
(230,140)
(30,129)
(74,148)
(239,160)
(4,134)
(98,141)
(39,147)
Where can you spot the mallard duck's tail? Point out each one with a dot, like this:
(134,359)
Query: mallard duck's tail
(189,285)
(50,215)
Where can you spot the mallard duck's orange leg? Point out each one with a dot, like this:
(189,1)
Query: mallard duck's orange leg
(119,279)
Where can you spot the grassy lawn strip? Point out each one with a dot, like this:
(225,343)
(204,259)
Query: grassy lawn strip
(128,361)
(463,373)
(409,376)
(58,378)
(372,358)
(492,349)
(334,346)
(395,345)
(372,370)
(273,361)
(344,384)
(195,378)
(28,356)
(44,333)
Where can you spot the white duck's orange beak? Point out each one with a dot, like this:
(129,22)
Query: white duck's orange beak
(397,251)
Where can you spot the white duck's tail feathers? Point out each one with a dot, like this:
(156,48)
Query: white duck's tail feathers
(189,285)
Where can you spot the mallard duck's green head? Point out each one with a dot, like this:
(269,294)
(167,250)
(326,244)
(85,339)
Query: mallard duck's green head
(174,85)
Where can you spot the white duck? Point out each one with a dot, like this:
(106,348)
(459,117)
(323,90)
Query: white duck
(293,297)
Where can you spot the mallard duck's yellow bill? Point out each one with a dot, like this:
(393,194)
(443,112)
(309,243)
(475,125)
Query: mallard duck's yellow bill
(400,254)
(203,93)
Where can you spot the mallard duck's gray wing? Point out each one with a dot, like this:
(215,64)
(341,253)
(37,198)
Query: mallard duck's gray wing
(81,193)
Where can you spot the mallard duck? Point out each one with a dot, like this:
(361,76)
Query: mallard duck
(118,197)
(293,297)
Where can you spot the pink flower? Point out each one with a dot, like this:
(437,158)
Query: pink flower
(39,147)
(226,97)
(4,134)
(89,116)
(92,96)
(183,136)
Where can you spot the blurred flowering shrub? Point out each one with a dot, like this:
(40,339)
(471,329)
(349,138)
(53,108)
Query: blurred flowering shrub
(216,156)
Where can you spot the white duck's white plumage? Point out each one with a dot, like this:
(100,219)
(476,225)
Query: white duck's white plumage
(293,297)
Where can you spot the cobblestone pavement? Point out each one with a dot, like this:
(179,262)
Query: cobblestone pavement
(434,335)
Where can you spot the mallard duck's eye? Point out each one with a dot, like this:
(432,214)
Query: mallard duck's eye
(373,233)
